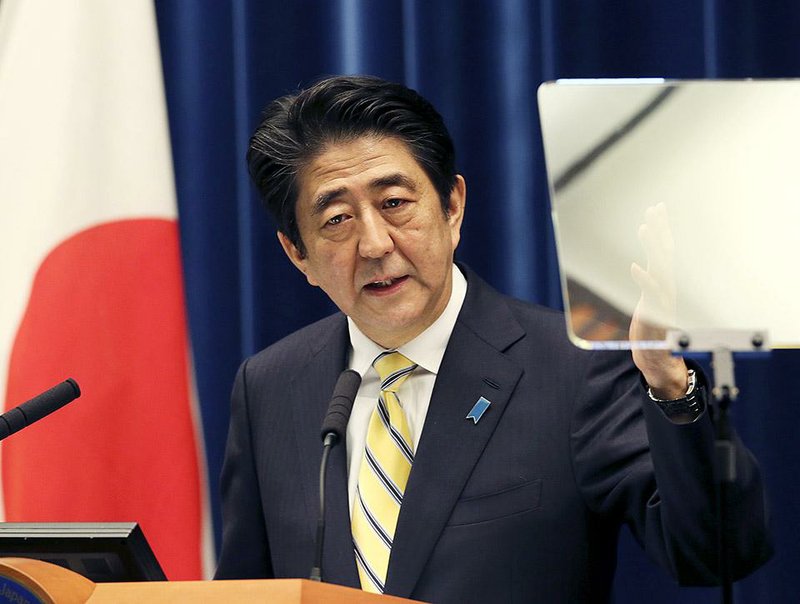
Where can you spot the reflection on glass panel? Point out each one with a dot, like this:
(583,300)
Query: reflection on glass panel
(678,201)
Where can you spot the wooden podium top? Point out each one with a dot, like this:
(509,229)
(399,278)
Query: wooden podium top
(55,585)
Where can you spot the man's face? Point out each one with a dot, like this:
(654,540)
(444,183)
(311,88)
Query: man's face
(376,238)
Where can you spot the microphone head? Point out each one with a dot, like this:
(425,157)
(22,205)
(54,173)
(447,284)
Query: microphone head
(75,388)
(344,393)
(38,407)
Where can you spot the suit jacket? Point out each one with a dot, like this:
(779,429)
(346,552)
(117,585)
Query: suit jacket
(525,505)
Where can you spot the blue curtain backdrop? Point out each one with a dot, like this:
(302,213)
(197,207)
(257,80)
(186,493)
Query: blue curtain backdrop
(480,63)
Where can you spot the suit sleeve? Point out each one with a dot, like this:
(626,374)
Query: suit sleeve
(634,465)
(245,547)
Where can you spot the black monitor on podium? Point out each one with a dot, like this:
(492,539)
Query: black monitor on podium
(101,551)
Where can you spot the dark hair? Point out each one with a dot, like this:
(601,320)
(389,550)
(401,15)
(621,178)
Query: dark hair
(296,128)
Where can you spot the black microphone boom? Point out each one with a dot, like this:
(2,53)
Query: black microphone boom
(344,393)
(334,427)
(35,409)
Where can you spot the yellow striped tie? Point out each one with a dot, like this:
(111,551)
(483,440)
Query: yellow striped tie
(388,456)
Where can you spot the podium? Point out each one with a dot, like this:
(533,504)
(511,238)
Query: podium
(21,578)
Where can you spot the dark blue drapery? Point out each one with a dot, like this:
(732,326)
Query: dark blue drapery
(480,63)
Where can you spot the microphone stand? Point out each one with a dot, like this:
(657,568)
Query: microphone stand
(334,428)
(327,445)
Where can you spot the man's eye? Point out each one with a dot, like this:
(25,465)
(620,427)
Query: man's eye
(339,218)
(393,203)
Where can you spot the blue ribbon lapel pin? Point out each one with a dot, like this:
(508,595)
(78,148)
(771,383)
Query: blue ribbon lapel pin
(478,409)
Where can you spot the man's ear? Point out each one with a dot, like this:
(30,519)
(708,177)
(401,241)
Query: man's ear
(455,208)
(297,257)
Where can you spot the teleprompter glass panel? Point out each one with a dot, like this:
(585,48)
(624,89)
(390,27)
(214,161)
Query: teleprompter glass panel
(678,201)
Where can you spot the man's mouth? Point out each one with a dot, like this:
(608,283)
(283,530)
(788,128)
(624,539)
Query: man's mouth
(385,283)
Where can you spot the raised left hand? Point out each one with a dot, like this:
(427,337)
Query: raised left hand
(667,375)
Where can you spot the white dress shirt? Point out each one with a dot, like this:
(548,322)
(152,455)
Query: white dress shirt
(426,350)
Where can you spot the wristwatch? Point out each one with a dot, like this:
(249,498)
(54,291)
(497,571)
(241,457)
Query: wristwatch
(692,384)
(687,408)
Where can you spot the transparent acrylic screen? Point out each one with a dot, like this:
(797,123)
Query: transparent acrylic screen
(696,183)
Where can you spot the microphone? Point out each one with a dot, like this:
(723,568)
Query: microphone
(35,409)
(334,427)
(344,393)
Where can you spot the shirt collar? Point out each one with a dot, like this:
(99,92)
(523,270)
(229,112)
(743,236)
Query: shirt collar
(427,349)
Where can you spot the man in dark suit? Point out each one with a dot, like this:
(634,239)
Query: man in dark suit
(509,458)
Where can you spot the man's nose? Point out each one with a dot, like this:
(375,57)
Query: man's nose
(375,240)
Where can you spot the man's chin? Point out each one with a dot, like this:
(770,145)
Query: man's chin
(392,332)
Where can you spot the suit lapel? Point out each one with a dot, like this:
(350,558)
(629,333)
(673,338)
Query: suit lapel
(473,366)
(310,397)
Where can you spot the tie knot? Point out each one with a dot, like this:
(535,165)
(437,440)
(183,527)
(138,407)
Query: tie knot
(393,369)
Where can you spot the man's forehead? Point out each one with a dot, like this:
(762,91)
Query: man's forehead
(367,162)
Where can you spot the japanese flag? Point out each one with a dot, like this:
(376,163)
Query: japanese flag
(90,278)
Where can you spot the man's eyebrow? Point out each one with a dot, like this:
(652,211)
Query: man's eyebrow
(323,199)
(393,180)
(382,182)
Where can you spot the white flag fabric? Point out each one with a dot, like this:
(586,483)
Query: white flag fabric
(91,278)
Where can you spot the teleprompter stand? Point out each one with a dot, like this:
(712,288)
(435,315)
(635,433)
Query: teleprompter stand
(722,344)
